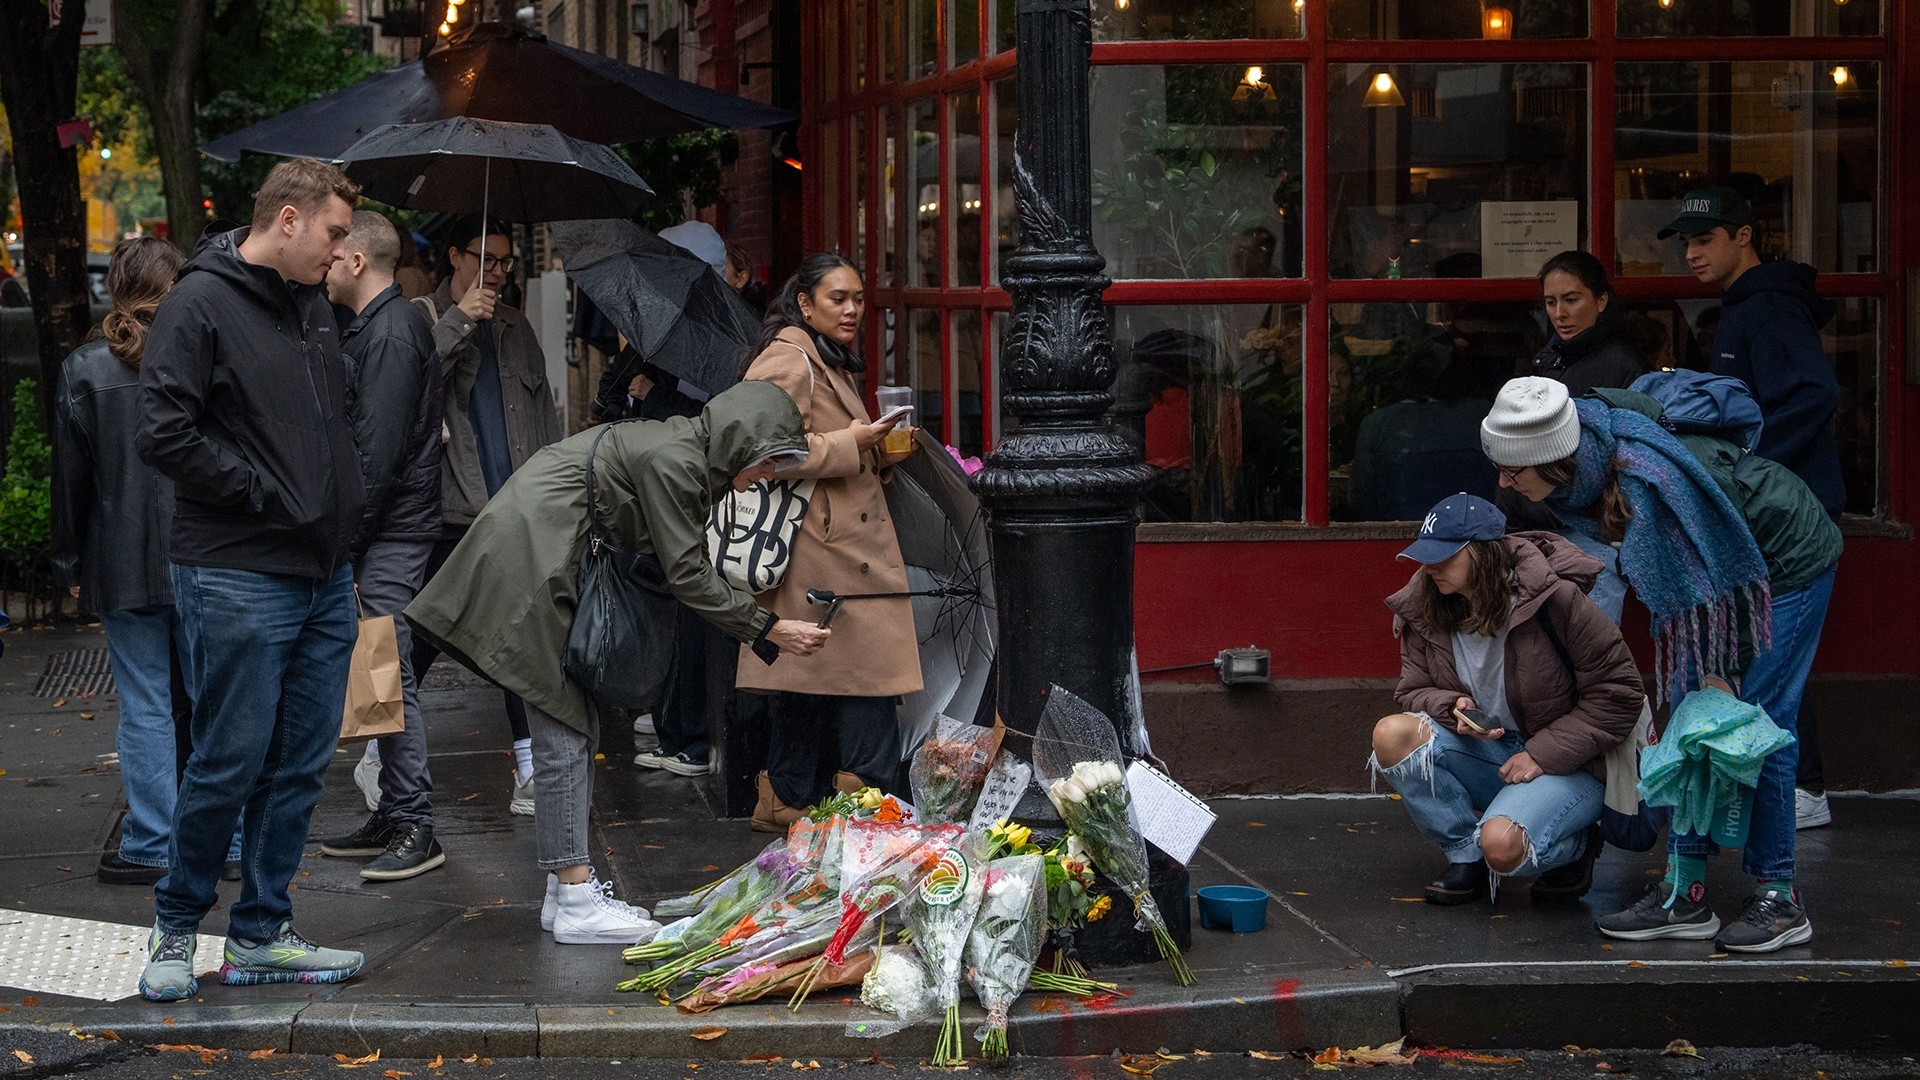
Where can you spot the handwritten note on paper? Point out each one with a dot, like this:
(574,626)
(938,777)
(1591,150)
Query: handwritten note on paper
(1006,782)
(1169,816)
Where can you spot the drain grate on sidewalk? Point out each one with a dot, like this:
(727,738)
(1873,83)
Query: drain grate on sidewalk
(76,672)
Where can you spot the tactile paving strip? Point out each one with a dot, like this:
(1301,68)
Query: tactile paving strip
(54,954)
(74,673)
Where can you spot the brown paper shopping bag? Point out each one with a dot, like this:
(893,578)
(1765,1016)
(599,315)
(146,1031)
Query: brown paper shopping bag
(374,703)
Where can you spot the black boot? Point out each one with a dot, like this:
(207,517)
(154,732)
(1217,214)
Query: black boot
(1463,883)
(1570,882)
(412,852)
(370,839)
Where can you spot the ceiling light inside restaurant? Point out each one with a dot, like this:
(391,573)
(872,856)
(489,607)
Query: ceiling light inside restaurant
(1382,93)
(1666,3)
(1253,84)
(1842,78)
(1496,22)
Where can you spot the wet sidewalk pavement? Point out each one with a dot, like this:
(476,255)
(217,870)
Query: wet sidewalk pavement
(1350,956)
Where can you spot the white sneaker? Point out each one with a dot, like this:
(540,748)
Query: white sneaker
(366,774)
(643,724)
(547,905)
(1810,811)
(587,914)
(522,802)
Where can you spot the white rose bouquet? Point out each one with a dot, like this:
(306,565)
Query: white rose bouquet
(1093,800)
(1005,942)
(938,918)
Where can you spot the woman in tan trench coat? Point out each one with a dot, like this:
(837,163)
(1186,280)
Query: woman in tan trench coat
(846,694)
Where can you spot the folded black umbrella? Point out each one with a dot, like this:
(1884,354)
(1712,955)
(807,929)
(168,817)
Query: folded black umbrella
(518,172)
(501,71)
(674,310)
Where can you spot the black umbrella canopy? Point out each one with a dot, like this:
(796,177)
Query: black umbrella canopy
(673,309)
(502,71)
(518,172)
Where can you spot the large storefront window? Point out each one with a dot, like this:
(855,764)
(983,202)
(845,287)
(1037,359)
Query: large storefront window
(1324,218)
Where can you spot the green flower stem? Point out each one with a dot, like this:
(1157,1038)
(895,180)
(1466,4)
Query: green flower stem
(950,1050)
(994,1048)
(1068,984)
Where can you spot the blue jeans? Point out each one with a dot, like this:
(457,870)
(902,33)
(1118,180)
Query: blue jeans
(1451,786)
(140,645)
(266,663)
(1775,681)
(1609,588)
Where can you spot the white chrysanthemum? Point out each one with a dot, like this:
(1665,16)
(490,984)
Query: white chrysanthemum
(896,984)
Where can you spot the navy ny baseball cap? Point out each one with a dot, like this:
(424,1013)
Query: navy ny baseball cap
(1452,524)
(1704,209)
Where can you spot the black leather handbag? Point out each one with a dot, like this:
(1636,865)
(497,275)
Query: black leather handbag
(622,640)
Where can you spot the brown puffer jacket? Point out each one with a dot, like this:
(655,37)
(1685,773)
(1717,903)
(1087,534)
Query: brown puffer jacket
(1570,718)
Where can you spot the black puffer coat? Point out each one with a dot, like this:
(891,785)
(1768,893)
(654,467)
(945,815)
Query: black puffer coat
(112,513)
(1597,356)
(397,409)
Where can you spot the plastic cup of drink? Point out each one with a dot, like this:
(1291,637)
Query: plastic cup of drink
(900,439)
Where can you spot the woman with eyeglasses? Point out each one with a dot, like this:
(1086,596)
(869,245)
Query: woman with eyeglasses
(499,411)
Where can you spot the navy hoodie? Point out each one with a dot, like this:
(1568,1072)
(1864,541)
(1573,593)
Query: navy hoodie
(1769,338)
(246,410)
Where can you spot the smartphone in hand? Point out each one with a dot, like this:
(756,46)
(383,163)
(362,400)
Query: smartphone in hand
(1474,719)
(895,413)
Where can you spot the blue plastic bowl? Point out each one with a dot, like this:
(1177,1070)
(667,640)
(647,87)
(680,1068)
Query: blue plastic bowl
(1238,908)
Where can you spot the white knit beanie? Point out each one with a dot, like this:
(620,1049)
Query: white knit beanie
(1533,422)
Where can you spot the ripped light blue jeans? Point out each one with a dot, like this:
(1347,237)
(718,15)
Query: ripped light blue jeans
(1451,785)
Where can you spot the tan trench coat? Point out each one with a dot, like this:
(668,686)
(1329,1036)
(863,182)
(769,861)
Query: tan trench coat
(846,544)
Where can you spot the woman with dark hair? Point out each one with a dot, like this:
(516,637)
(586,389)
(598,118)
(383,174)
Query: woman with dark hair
(1515,688)
(1737,594)
(112,518)
(1588,348)
(834,711)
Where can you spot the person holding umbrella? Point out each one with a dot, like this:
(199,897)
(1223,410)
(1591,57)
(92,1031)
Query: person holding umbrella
(655,482)
(499,412)
(845,697)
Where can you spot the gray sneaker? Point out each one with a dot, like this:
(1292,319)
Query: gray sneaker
(1771,920)
(522,801)
(169,972)
(287,958)
(1662,913)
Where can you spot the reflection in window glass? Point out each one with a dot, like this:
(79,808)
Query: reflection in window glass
(969,414)
(889,198)
(858,244)
(1213,395)
(1189,20)
(1800,140)
(1455,170)
(924,373)
(1429,20)
(1408,385)
(1748,18)
(891,370)
(997,348)
(923,28)
(963,242)
(830,191)
(859,36)
(1196,170)
(890,38)
(963,35)
(1006,212)
(1005,24)
(1853,340)
(923,196)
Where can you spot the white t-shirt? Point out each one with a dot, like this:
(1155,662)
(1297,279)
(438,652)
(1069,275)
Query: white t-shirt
(1481,662)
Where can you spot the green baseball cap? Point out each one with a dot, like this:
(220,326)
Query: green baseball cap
(1704,208)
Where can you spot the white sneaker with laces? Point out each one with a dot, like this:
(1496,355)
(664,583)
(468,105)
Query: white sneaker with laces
(1810,811)
(366,775)
(522,802)
(588,914)
(643,724)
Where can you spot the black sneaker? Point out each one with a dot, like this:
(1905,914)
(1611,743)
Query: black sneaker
(687,763)
(1570,882)
(230,870)
(1771,920)
(1663,913)
(1463,883)
(412,852)
(115,870)
(371,839)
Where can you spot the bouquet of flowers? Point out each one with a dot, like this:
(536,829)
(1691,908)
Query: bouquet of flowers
(879,865)
(896,985)
(765,878)
(1004,942)
(938,919)
(1092,798)
(775,975)
(697,901)
(949,769)
(1070,903)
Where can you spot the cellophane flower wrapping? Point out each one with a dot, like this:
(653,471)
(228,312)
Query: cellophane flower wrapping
(767,877)
(949,769)
(1004,941)
(693,903)
(895,986)
(1077,754)
(939,915)
(880,864)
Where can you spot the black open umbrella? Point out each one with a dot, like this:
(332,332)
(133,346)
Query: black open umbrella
(675,311)
(518,172)
(502,71)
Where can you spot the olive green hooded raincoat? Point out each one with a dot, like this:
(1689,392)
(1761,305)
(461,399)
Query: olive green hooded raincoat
(503,604)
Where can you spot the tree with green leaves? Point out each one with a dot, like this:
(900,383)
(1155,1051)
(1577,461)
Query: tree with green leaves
(163,44)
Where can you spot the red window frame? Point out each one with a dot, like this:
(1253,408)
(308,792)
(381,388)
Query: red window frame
(1315,52)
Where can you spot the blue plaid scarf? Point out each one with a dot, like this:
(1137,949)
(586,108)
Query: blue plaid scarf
(1687,553)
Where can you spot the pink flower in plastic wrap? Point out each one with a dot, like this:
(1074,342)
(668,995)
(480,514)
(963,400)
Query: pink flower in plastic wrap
(968,465)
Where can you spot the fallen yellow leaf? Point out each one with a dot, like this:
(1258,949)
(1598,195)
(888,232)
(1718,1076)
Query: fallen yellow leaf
(25,1058)
(1681,1048)
(395,1074)
(1896,963)
(436,1063)
(762,1059)
(708,1034)
(1265,1056)
(1393,1053)
(262,1054)
(1329,1056)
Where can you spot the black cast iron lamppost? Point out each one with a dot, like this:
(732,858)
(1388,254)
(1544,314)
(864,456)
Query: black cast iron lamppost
(1062,491)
